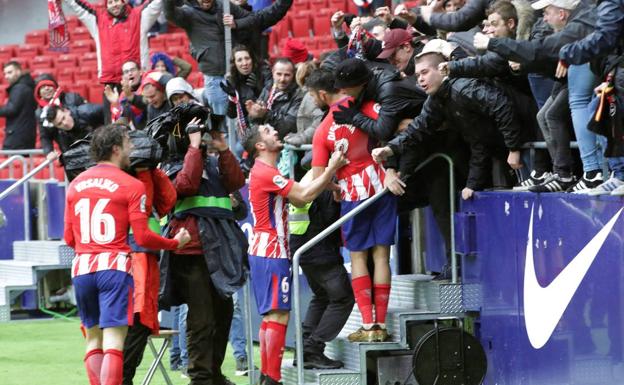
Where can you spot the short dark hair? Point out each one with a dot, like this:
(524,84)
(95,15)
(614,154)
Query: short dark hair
(284,60)
(322,80)
(13,63)
(52,112)
(250,138)
(104,138)
(505,9)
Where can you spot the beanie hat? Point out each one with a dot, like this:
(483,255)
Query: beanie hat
(351,73)
(296,51)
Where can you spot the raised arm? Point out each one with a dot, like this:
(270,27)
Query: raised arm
(86,13)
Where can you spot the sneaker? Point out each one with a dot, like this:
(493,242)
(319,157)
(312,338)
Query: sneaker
(241,367)
(534,179)
(618,191)
(590,180)
(555,183)
(380,334)
(607,187)
(184,372)
(362,335)
(320,361)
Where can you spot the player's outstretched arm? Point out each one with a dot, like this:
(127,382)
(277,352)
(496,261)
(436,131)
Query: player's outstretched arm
(299,194)
(150,240)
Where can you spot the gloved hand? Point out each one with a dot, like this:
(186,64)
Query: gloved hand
(228,88)
(345,114)
(252,80)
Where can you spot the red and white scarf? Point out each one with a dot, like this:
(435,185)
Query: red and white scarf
(59,35)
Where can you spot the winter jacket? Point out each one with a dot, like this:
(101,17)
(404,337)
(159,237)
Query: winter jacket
(541,55)
(118,40)
(607,38)
(206,31)
(471,14)
(218,239)
(245,92)
(483,114)
(399,99)
(283,113)
(87,117)
(19,111)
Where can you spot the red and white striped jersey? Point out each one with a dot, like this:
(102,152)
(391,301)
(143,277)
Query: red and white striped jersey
(90,263)
(268,191)
(100,204)
(362,177)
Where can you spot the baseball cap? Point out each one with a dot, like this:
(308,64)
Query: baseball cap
(565,4)
(439,46)
(392,40)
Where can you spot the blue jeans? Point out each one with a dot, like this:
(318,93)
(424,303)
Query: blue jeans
(237,329)
(581,83)
(541,87)
(214,95)
(616,165)
(178,354)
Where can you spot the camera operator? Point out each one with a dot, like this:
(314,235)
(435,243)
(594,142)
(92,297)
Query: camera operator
(213,267)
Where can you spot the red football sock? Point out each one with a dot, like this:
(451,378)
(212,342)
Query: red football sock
(363,297)
(93,363)
(275,341)
(263,345)
(112,367)
(382,294)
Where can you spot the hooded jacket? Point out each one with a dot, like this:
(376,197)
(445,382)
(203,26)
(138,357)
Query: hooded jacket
(205,29)
(541,55)
(19,111)
(483,114)
(87,117)
(399,99)
(118,40)
(66,99)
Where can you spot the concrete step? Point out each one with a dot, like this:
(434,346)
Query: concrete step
(42,252)
(17,272)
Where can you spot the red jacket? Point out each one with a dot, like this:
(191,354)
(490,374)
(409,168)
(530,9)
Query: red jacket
(187,183)
(118,40)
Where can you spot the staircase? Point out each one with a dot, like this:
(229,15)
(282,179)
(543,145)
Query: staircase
(413,299)
(30,260)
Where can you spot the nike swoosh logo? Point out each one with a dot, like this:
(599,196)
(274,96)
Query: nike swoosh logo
(544,306)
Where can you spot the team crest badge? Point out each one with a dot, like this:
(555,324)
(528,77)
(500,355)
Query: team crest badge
(280,181)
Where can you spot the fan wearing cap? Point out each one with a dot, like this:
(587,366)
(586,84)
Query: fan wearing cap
(296,51)
(399,50)
(482,113)
(571,20)
(399,98)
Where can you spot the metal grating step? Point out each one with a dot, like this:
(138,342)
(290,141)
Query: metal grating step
(319,377)
(40,252)
(407,291)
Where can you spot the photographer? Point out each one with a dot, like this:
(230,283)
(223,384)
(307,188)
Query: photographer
(213,267)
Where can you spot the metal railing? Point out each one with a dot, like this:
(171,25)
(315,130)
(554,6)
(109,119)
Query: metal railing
(325,233)
(23,181)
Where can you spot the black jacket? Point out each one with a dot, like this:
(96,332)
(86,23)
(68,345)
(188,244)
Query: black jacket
(245,92)
(322,213)
(399,99)
(608,36)
(542,55)
(283,113)
(19,111)
(483,114)
(471,14)
(87,117)
(206,31)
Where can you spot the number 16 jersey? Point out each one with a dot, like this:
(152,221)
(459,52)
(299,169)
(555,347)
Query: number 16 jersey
(101,202)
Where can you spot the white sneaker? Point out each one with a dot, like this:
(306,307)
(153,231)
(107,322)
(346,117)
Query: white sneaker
(607,187)
(533,180)
(618,191)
